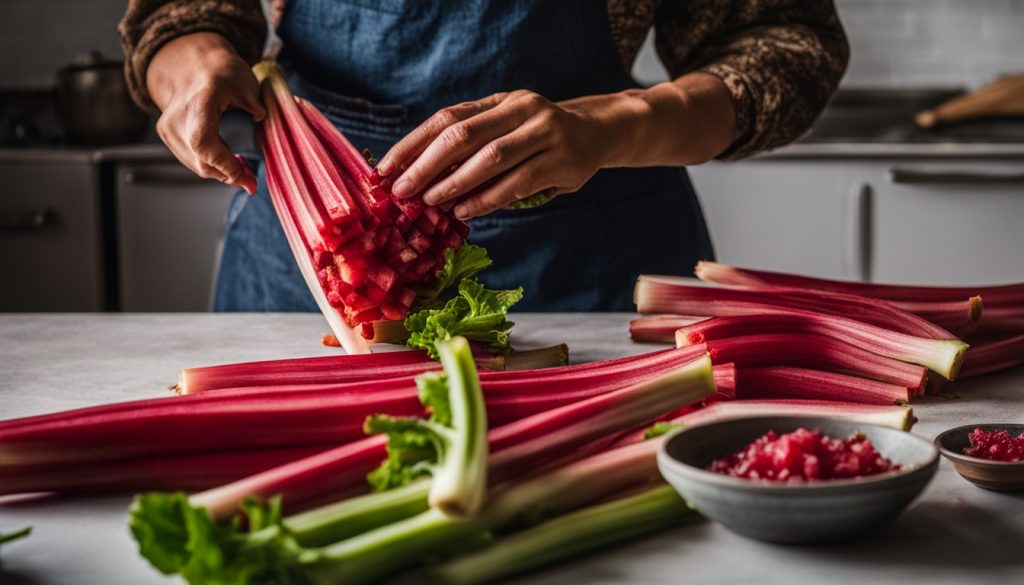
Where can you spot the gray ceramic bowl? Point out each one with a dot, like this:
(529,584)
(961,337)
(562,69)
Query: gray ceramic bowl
(795,513)
(1005,476)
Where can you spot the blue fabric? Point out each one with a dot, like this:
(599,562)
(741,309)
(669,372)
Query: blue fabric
(377,68)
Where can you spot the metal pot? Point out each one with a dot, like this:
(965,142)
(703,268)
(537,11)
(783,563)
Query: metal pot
(93,103)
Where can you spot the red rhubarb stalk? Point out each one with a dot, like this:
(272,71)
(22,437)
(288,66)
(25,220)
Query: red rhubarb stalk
(897,417)
(657,294)
(994,295)
(993,357)
(941,356)
(180,472)
(815,352)
(801,383)
(659,328)
(514,447)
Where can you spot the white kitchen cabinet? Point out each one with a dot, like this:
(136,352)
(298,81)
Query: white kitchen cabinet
(51,244)
(946,222)
(903,219)
(795,216)
(169,234)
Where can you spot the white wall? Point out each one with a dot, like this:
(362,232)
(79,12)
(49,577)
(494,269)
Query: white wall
(896,43)
(918,43)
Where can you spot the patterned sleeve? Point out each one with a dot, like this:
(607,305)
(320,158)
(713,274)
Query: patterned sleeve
(780,59)
(149,24)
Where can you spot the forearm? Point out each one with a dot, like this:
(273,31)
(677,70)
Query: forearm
(686,121)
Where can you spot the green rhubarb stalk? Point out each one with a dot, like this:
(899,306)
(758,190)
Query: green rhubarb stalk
(373,555)
(455,435)
(568,536)
(12,536)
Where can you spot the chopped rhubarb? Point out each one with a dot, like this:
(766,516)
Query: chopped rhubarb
(344,226)
(804,455)
(998,445)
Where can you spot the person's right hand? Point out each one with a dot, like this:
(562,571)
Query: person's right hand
(194,79)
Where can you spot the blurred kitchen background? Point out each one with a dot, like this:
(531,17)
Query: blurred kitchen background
(98,217)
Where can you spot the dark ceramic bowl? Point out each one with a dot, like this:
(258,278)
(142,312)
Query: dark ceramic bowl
(811,512)
(1004,476)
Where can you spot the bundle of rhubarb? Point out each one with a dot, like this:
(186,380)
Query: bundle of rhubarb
(471,496)
(236,420)
(800,337)
(365,254)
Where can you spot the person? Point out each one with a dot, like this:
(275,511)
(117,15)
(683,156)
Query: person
(526,96)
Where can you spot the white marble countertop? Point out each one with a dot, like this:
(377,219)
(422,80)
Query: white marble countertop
(955,533)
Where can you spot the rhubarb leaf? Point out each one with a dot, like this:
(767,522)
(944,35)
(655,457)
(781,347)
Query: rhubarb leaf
(459,264)
(177,537)
(451,445)
(476,313)
(11,537)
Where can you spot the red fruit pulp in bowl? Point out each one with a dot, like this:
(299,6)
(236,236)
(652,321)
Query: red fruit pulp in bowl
(804,455)
(997,445)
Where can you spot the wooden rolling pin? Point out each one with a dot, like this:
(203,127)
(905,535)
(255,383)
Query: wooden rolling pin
(1004,97)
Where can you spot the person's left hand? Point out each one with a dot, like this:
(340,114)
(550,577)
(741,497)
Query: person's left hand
(508,146)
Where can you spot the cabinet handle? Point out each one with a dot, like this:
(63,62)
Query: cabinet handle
(25,220)
(912,177)
(858,232)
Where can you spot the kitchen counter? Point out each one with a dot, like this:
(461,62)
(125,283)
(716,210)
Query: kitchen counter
(955,533)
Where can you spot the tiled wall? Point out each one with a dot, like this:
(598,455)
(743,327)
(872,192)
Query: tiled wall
(901,43)
(919,43)
(916,43)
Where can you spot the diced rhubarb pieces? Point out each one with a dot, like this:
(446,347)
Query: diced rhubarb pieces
(411,208)
(425,225)
(393,310)
(460,228)
(351,275)
(404,224)
(418,241)
(405,297)
(382,275)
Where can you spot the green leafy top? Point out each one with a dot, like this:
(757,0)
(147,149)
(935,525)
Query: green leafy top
(12,536)
(413,443)
(460,263)
(476,313)
(451,445)
(177,537)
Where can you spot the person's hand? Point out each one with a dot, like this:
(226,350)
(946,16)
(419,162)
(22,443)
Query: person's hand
(508,146)
(194,79)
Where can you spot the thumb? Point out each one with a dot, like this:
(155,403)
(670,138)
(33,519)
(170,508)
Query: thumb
(248,99)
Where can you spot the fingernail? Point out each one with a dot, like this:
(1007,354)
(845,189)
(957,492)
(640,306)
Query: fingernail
(430,199)
(385,166)
(462,212)
(402,188)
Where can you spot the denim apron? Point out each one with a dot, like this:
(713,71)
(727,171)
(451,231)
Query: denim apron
(377,68)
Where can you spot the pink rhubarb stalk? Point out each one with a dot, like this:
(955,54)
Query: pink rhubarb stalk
(941,356)
(897,417)
(802,383)
(514,447)
(815,352)
(993,357)
(994,295)
(658,294)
